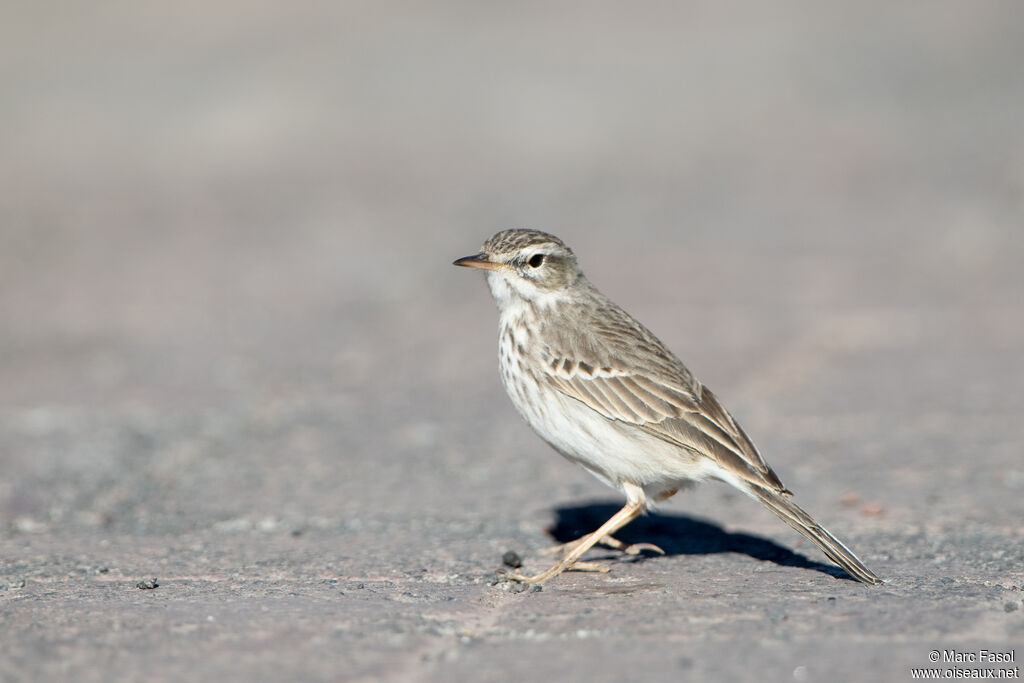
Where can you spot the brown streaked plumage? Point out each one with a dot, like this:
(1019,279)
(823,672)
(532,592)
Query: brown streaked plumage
(606,393)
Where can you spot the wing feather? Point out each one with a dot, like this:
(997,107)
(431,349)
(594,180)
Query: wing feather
(630,400)
(659,406)
(691,418)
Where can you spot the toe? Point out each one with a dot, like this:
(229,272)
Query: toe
(637,548)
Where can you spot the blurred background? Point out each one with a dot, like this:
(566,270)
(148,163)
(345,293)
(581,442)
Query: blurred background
(234,354)
(226,233)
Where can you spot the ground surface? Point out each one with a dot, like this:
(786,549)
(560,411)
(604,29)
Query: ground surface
(234,356)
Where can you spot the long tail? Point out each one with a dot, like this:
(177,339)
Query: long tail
(793,515)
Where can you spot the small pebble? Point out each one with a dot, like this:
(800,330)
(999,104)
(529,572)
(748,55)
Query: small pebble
(148,584)
(511,559)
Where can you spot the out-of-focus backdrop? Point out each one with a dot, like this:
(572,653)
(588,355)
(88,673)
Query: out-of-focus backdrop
(234,356)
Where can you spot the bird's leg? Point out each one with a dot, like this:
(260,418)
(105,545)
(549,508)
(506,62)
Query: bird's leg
(635,548)
(565,548)
(610,541)
(627,514)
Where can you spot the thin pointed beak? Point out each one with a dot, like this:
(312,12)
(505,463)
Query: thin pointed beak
(480,260)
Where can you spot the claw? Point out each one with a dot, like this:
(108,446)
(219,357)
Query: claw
(636,548)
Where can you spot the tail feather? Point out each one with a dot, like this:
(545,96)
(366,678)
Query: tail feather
(793,515)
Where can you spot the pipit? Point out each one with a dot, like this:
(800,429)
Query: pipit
(606,394)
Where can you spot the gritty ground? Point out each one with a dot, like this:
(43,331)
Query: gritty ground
(251,426)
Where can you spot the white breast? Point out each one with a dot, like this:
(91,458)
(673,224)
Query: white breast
(615,452)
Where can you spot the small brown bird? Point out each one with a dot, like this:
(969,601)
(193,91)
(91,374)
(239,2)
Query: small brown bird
(606,394)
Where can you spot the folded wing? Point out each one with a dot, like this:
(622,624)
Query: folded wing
(687,416)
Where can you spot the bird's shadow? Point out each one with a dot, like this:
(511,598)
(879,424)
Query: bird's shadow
(681,535)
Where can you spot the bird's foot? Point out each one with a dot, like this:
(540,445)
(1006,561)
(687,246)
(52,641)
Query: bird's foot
(541,578)
(633,548)
(609,541)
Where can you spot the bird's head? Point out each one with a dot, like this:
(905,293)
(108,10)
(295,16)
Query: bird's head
(527,264)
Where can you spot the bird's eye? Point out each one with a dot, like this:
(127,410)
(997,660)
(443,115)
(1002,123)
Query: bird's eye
(536,260)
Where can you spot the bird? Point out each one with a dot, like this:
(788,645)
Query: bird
(606,394)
